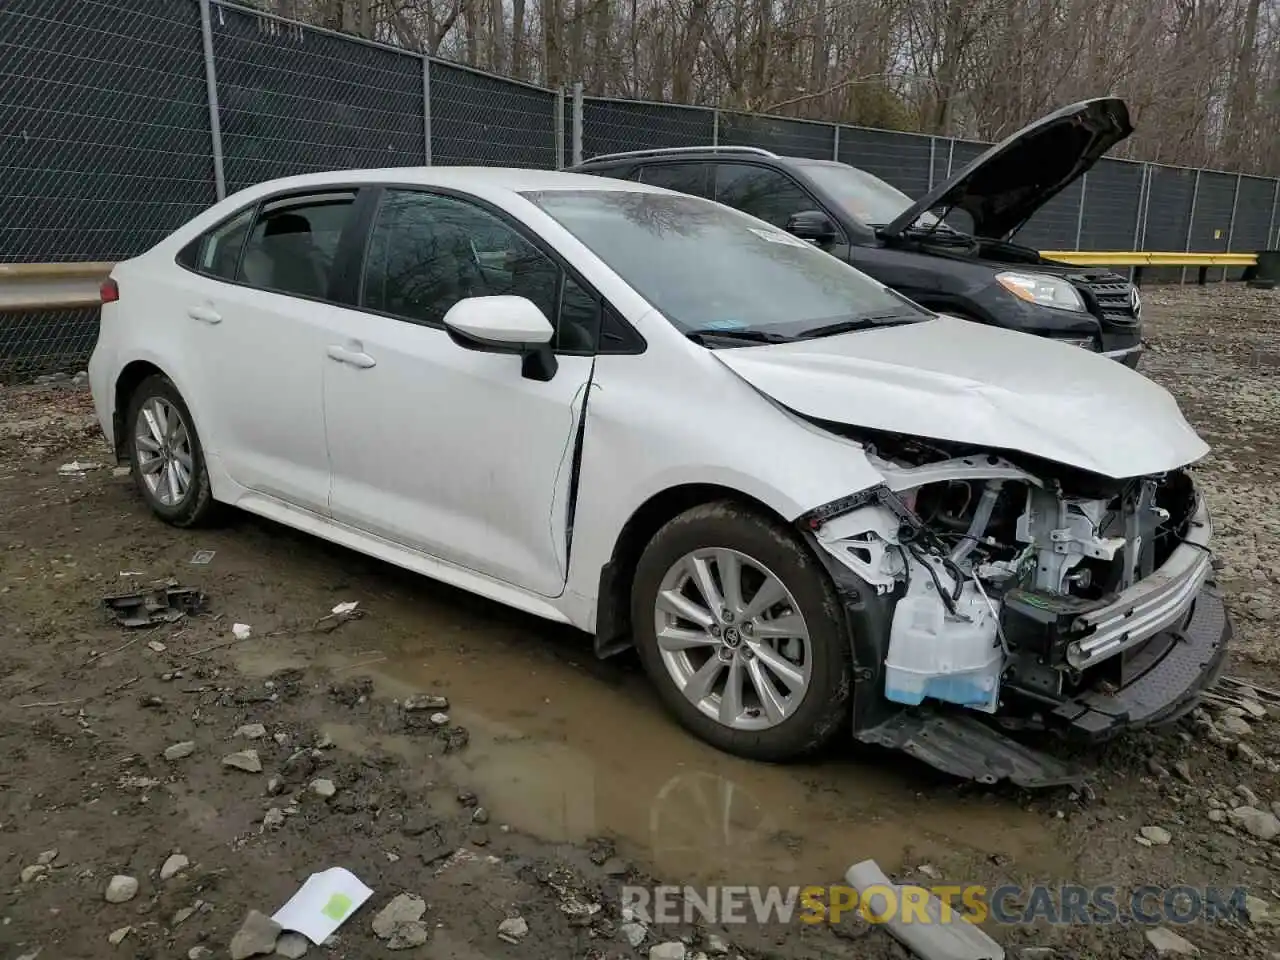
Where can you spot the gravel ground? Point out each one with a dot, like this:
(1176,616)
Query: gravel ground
(310,744)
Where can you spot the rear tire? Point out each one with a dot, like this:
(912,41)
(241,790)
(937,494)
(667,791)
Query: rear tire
(165,455)
(778,637)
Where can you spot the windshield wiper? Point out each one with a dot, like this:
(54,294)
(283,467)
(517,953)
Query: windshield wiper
(861,323)
(751,336)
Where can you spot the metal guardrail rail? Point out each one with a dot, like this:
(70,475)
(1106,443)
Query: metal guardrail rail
(26,287)
(51,286)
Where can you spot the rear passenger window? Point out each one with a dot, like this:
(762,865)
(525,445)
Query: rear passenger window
(294,242)
(761,192)
(690,178)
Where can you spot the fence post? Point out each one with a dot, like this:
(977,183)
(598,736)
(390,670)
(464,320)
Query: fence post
(1137,213)
(715,127)
(1146,207)
(577,122)
(1275,199)
(933,150)
(557,117)
(835,145)
(1231,224)
(951,154)
(211,91)
(426,110)
(1191,222)
(1084,185)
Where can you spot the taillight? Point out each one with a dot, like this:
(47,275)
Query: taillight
(109,292)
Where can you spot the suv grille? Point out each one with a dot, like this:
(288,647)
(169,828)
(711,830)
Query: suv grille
(1114,295)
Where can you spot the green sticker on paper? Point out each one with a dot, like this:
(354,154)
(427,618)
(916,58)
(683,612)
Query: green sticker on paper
(338,907)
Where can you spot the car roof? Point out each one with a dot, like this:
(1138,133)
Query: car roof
(488,179)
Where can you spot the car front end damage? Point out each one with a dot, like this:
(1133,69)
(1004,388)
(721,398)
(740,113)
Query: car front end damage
(986,596)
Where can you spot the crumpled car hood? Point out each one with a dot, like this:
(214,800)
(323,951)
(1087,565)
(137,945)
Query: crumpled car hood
(951,379)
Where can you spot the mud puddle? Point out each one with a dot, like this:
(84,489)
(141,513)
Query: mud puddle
(566,750)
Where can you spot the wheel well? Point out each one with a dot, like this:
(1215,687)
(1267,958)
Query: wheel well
(130,379)
(613,598)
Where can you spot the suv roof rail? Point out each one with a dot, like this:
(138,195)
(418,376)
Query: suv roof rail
(676,151)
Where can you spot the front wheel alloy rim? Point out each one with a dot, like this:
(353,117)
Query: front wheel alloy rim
(163,445)
(733,639)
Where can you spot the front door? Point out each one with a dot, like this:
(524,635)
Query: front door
(445,450)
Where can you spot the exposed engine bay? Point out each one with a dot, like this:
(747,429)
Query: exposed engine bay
(1019,588)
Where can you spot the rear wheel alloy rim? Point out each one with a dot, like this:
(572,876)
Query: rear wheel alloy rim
(163,446)
(733,639)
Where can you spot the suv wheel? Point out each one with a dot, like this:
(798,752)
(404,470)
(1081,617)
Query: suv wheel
(740,629)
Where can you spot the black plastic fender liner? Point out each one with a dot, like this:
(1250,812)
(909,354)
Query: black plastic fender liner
(868,616)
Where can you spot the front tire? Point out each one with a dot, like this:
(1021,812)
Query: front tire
(741,631)
(165,455)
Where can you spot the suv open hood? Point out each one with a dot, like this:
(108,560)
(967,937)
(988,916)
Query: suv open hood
(951,379)
(1015,178)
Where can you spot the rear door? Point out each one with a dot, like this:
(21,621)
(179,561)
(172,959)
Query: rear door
(257,312)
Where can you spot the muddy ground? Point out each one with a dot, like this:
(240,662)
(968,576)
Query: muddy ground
(555,779)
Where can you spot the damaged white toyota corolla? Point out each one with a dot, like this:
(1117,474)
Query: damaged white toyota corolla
(810,505)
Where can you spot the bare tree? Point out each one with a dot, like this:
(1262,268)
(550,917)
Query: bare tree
(1202,77)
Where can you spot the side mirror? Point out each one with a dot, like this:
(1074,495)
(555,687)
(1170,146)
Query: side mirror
(812,225)
(505,324)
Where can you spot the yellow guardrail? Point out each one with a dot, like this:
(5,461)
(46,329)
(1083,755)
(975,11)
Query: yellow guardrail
(1137,258)
(51,286)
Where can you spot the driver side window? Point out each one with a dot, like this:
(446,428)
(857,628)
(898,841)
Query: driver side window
(427,252)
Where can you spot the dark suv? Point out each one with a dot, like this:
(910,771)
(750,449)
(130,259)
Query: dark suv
(918,247)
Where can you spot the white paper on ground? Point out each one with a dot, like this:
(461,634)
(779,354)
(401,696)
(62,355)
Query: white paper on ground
(241,631)
(346,607)
(323,904)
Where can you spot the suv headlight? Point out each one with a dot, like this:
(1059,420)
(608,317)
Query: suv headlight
(1042,289)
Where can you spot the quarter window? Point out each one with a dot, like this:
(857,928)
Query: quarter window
(761,192)
(294,243)
(427,252)
(217,252)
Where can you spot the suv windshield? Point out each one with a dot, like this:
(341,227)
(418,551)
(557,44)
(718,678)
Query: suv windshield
(714,271)
(867,197)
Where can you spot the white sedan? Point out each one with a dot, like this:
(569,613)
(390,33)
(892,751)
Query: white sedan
(807,502)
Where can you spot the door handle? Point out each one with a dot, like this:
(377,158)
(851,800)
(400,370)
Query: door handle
(354,358)
(204,314)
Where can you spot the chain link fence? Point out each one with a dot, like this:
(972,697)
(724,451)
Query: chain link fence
(121,119)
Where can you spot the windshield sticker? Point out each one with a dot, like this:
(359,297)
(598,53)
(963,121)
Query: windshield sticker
(777,236)
(724,325)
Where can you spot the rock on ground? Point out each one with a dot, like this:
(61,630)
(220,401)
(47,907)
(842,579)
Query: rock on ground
(256,937)
(179,750)
(1157,835)
(633,932)
(407,935)
(292,945)
(513,929)
(246,760)
(1169,944)
(404,908)
(1259,823)
(673,950)
(174,866)
(121,889)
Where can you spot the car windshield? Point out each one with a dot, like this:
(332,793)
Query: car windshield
(867,197)
(712,270)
